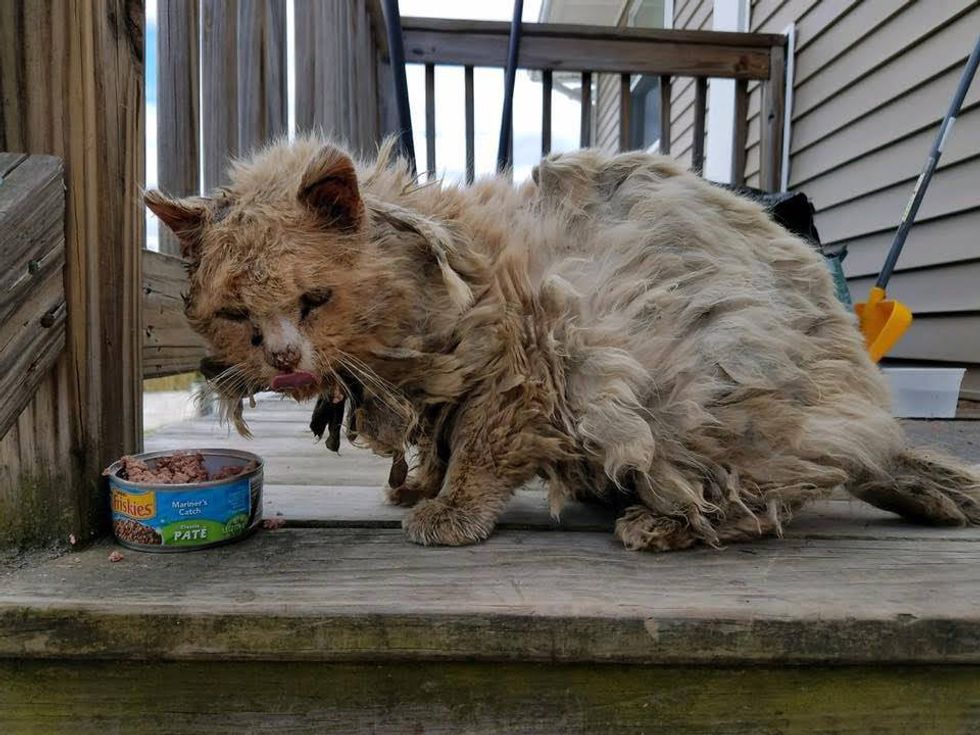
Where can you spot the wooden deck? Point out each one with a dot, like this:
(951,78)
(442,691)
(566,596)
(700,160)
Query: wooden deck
(339,589)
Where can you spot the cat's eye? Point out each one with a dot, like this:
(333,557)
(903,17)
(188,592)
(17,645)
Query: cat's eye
(311,300)
(232,315)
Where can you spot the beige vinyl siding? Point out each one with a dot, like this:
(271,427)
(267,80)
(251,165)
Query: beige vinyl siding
(692,15)
(872,82)
(606,129)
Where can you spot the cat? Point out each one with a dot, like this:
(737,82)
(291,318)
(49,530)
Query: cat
(615,325)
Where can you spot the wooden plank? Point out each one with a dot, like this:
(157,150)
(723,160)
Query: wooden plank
(219,81)
(10,161)
(624,112)
(33,338)
(430,120)
(366,594)
(700,105)
(89,409)
(665,86)
(468,113)
(403,697)
(32,288)
(546,89)
(739,132)
(585,111)
(343,506)
(336,74)
(170,346)
(178,121)
(313,22)
(577,48)
(772,141)
(32,228)
(261,64)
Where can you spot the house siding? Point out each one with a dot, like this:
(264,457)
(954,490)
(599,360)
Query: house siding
(691,15)
(872,82)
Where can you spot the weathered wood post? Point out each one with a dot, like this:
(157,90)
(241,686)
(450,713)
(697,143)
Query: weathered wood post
(71,85)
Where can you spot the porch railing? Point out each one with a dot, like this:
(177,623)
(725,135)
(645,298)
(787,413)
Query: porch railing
(551,48)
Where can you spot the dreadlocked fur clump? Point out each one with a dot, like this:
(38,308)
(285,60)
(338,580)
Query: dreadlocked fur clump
(617,326)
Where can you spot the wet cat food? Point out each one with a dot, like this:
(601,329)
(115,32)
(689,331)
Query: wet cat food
(180,501)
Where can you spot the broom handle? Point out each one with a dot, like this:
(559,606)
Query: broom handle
(908,217)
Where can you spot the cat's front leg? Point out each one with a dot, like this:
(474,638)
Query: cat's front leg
(484,470)
(424,481)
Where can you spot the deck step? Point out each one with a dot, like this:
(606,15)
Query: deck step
(365,594)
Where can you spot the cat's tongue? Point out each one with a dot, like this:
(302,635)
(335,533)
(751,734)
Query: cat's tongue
(297,379)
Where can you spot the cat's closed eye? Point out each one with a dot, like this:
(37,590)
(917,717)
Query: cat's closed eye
(232,315)
(313,299)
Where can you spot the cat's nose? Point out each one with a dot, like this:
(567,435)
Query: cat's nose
(284,359)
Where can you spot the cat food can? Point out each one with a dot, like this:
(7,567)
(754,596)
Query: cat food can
(187,500)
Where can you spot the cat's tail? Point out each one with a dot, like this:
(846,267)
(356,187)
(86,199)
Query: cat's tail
(924,487)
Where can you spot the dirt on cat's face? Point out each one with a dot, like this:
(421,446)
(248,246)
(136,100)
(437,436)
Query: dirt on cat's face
(282,278)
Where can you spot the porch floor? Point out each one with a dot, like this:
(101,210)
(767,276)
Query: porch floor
(848,583)
(340,584)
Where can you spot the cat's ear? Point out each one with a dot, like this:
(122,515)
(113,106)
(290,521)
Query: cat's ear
(329,188)
(184,217)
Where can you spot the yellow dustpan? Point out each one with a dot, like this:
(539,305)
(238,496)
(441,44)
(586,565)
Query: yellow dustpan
(884,321)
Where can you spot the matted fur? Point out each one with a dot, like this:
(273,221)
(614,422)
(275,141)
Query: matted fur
(617,325)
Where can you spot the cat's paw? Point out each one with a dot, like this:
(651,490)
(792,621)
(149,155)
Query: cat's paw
(437,523)
(642,530)
(405,495)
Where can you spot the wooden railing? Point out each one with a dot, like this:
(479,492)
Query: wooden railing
(588,50)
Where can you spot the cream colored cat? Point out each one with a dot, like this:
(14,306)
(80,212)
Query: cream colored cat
(618,326)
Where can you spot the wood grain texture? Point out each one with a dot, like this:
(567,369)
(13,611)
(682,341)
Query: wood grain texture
(261,45)
(32,286)
(546,91)
(219,85)
(585,111)
(774,96)
(339,506)
(739,132)
(430,120)
(88,411)
(368,594)
(178,110)
(170,346)
(578,48)
(665,135)
(454,698)
(624,112)
(469,123)
(700,109)
(336,71)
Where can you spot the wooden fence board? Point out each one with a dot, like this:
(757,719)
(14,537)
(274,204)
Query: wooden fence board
(219,82)
(178,121)
(89,409)
(261,72)
(523,699)
(170,346)
(32,287)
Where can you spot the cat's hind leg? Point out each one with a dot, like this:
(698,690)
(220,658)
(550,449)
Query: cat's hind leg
(643,529)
